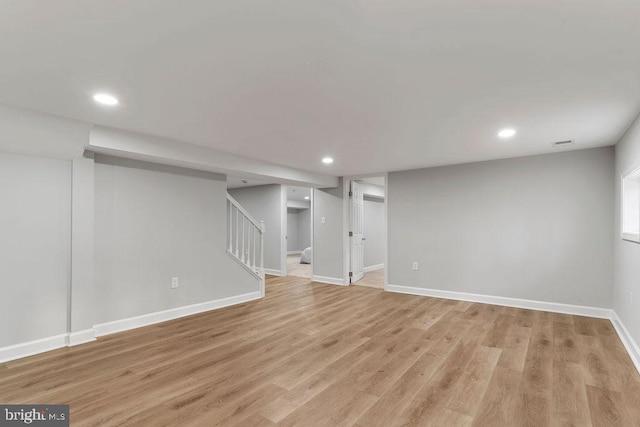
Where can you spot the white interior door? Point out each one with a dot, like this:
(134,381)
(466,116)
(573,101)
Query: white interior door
(357,219)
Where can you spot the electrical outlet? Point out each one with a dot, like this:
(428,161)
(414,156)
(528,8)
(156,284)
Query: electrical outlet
(414,266)
(324,220)
(174,282)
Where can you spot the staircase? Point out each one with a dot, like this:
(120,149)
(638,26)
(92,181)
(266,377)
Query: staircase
(245,240)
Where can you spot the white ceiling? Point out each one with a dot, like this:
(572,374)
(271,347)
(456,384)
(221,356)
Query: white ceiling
(238,182)
(378,85)
(293,192)
(298,193)
(375,180)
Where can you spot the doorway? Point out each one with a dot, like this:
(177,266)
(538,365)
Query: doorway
(367,236)
(298,232)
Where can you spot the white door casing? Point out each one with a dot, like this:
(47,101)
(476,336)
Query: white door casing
(356,197)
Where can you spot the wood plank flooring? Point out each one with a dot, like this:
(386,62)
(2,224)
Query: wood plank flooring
(372,279)
(311,355)
(294,268)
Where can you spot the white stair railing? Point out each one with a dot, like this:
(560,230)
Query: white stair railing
(245,240)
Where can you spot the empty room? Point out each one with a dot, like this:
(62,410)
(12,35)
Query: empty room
(246,213)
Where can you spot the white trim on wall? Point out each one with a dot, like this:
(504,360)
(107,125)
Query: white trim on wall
(81,337)
(283,229)
(43,345)
(627,340)
(311,221)
(173,313)
(294,252)
(604,313)
(329,280)
(273,272)
(386,230)
(579,310)
(373,268)
(346,224)
(30,348)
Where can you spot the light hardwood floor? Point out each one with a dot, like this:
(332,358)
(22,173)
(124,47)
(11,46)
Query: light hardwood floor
(372,279)
(294,268)
(311,354)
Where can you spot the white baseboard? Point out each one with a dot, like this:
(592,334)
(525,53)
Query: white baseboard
(174,313)
(294,253)
(603,313)
(273,272)
(328,280)
(373,268)
(81,337)
(627,340)
(30,348)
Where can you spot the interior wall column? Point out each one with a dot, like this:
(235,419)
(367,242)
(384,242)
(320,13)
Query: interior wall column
(81,296)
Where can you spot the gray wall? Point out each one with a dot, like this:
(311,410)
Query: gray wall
(304,228)
(536,227)
(157,212)
(265,203)
(35,221)
(155,222)
(374,231)
(298,229)
(35,231)
(82,298)
(292,230)
(627,254)
(328,255)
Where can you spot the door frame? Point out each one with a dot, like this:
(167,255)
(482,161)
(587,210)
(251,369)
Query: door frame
(283,229)
(346,224)
(311,222)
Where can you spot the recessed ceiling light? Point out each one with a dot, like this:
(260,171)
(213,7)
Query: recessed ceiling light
(506,133)
(327,160)
(306,197)
(105,99)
